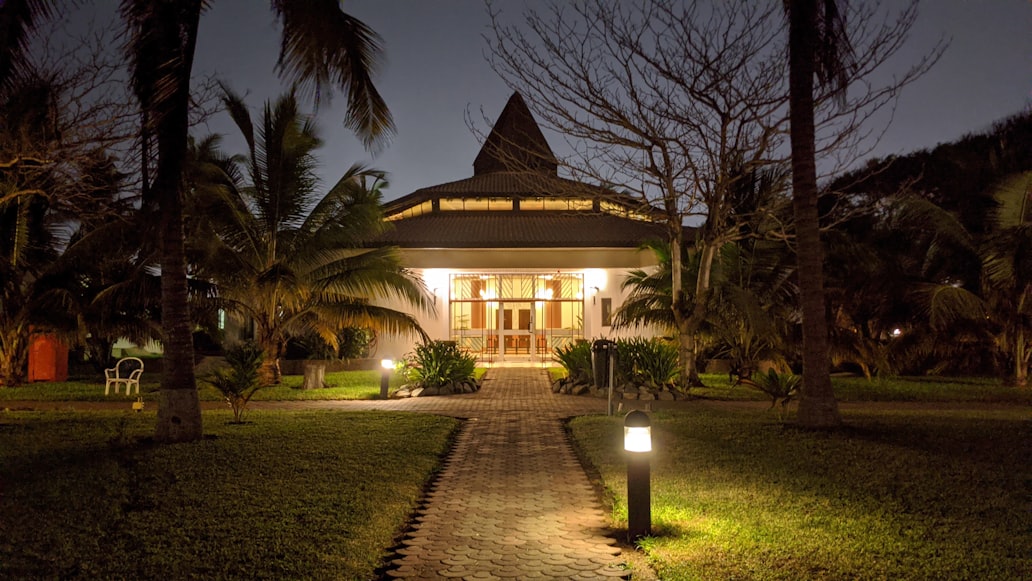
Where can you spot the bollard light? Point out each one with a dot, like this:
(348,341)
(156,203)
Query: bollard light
(637,432)
(638,444)
(385,376)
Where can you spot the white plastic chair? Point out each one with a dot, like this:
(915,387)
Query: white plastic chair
(126,372)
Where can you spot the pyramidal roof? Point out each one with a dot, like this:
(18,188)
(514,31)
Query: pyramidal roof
(515,143)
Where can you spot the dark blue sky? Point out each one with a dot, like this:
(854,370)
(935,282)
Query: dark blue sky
(435,73)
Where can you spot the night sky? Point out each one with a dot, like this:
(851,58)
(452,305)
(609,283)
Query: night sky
(435,75)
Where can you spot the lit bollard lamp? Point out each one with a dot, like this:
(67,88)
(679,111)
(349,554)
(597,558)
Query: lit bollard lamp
(638,444)
(385,376)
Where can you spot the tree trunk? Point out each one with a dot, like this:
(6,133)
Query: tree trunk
(179,410)
(1021,358)
(817,405)
(98,349)
(687,341)
(315,376)
(269,373)
(14,353)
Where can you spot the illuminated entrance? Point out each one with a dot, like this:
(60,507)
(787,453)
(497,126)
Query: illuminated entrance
(514,317)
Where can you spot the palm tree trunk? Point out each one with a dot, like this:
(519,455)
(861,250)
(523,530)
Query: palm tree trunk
(817,405)
(269,373)
(179,409)
(687,324)
(14,351)
(1021,358)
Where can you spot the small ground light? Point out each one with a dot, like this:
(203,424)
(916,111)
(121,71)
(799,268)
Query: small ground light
(637,432)
(638,444)
(385,376)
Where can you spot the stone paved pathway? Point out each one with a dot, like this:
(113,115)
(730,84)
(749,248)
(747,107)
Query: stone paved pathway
(512,501)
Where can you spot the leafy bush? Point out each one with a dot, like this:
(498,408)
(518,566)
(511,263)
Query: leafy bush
(439,363)
(651,362)
(781,387)
(239,381)
(576,360)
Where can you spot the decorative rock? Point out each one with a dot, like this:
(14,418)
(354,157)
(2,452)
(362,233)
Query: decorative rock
(417,392)
(630,395)
(403,393)
(430,391)
(648,396)
(665,396)
(579,389)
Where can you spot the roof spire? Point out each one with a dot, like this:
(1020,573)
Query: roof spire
(515,143)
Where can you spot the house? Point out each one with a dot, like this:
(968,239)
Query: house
(519,260)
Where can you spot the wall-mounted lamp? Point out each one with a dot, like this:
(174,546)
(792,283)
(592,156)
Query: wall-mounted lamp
(435,295)
(385,376)
(638,444)
(594,297)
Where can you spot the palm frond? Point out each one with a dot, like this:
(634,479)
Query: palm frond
(324,48)
(944,304)
(18,20)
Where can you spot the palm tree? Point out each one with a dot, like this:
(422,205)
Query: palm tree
(283,257)
(817,45)
(322,48)
(749,296)
(959,287)
(1007,289)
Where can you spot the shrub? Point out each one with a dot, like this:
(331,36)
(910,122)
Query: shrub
(238,381)
(651,362)
(781,387)
(576,360)
(438,363)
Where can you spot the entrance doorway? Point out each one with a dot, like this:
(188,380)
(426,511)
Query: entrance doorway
(516,327)
(516,317)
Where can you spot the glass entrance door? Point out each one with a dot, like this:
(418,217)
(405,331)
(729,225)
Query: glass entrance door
(516,327)
(516,316)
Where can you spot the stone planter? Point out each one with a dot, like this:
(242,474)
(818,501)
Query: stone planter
(453,388)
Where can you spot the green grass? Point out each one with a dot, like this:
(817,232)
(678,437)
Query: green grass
(288,495)
(899,389)
(936,495)
(343,385)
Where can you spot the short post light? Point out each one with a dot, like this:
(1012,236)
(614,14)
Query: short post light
(385,376)
(638,444)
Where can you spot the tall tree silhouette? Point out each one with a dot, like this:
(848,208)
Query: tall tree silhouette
(817,47)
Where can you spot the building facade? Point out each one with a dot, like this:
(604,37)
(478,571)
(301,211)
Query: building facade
(518,260)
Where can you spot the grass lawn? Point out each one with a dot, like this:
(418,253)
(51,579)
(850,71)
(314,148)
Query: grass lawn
(903,494)
(288,495)
(343,385)
(912,389)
